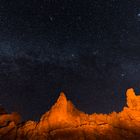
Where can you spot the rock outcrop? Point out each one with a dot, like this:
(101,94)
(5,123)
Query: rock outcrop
(64,122)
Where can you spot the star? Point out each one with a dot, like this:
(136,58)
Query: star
(72,55)
(51,18)
(122,74)
(138,14)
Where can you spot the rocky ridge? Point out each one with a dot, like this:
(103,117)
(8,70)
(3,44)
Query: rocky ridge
(64,122)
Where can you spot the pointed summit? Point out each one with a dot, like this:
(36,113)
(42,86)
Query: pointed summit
(58,110)
(62,114)
(62,99)
(61,103)
(57,116)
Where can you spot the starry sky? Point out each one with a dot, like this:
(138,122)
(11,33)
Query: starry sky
(90,49)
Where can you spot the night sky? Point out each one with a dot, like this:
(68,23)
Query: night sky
(90,49)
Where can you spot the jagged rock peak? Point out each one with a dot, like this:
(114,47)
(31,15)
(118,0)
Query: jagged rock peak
(130,93)
(59,110)
(62,98)
(61,102)
(133,101)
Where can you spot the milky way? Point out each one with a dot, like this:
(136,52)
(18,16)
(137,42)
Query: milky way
(89,49)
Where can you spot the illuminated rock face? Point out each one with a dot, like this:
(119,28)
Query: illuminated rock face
(64,122)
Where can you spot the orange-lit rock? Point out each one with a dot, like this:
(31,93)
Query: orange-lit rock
(64,122)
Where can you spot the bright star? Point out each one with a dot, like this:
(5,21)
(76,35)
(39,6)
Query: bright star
(138,14)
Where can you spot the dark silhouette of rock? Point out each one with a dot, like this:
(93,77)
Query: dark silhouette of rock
(64,122)
(2,110)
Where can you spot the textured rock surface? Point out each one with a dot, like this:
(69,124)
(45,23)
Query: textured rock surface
(64,122)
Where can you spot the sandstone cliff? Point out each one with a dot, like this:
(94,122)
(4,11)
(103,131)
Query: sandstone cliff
(64,122)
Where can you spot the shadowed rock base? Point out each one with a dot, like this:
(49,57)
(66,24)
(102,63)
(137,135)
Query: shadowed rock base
(65,122)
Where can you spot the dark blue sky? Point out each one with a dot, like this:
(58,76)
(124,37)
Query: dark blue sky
(87,48)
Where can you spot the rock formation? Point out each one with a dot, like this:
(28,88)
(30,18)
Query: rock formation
(64,122)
